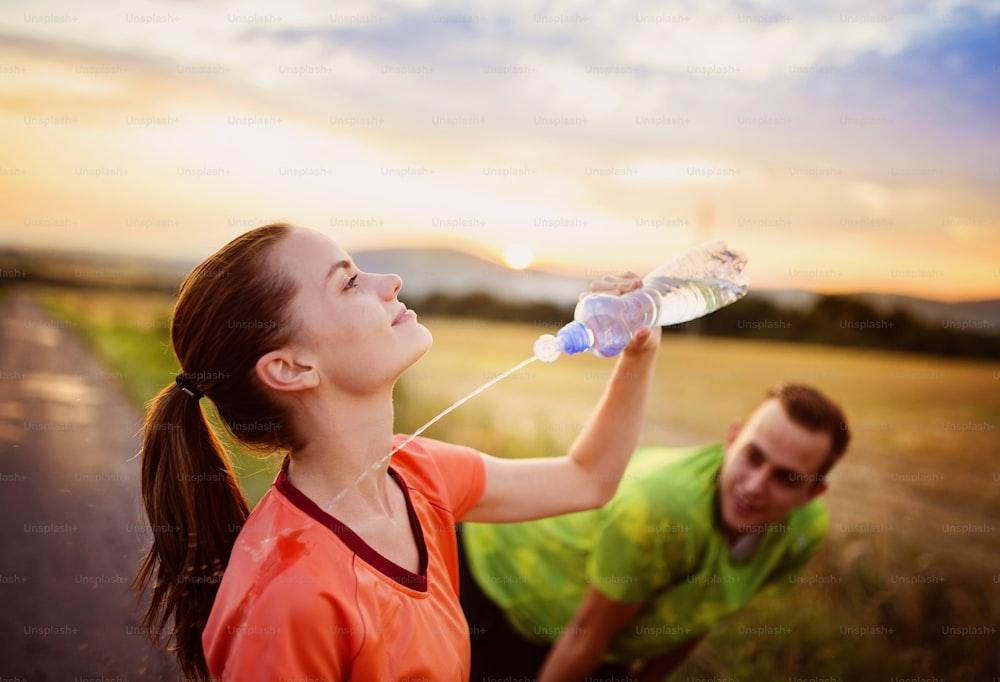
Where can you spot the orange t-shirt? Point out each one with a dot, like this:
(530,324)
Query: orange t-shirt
(304,598)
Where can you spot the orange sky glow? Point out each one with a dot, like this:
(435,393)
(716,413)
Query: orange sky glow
(841,154)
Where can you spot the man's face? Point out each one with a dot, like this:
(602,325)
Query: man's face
(770,467)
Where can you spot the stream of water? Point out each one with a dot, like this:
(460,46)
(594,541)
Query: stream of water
(458,403)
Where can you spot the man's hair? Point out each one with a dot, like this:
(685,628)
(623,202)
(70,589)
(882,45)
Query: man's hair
(813,411)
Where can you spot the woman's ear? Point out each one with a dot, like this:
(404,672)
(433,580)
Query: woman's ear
(283,371)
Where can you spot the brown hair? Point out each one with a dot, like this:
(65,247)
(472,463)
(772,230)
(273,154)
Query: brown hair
(230,310)
(813,411)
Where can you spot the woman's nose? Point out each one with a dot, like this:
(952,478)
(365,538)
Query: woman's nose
(392,284)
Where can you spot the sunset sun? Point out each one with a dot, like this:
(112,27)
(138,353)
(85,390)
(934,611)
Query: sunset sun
(518,256)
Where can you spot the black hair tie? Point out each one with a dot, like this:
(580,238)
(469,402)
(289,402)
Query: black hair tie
(185,385)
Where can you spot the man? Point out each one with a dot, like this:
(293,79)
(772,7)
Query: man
(628,591)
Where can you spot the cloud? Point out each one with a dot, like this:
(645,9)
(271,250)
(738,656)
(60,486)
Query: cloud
(500,121)
(871,197)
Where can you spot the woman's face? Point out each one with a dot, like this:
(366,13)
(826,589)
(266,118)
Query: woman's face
(361,336)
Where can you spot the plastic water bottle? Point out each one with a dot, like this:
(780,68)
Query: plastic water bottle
(683,289)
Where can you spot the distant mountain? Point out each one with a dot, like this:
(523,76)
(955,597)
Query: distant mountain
(975,316)
(446,271)
(451,272)
(87,269)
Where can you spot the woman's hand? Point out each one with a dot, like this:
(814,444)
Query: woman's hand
(524,489)
(646,339)
(615,284)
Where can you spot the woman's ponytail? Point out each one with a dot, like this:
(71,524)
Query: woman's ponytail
(196,509)
(231,309)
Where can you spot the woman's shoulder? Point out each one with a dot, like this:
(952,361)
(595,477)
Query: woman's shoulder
(449,475)
(423,452)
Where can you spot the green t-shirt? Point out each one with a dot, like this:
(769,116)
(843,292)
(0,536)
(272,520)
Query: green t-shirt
(659,542)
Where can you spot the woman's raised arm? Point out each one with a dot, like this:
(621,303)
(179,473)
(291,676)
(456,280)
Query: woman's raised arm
(588,476)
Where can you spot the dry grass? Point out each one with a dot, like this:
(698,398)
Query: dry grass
(913,547)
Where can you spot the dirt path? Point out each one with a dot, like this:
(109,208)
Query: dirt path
(72,530)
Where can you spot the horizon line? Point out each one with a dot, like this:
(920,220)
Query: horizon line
(169,263)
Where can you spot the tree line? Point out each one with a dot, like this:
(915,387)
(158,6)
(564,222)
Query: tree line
(837,320)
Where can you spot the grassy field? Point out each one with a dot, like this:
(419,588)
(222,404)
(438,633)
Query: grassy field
(908,585)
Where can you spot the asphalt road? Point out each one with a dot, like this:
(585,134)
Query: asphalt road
(72,530)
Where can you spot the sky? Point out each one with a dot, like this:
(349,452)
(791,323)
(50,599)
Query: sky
(842,147)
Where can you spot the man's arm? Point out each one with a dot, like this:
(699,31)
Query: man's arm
(582,645)
(660,668)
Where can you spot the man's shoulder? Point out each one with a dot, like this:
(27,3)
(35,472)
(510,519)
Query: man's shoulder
(666,464)
(670,487)
(672,475)
(811,519)
(805,530)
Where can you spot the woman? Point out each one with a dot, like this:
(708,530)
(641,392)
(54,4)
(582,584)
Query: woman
(347,568)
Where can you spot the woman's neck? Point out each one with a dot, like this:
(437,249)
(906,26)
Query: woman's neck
(343,466)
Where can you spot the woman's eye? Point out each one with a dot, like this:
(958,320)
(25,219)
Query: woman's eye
(351,283)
